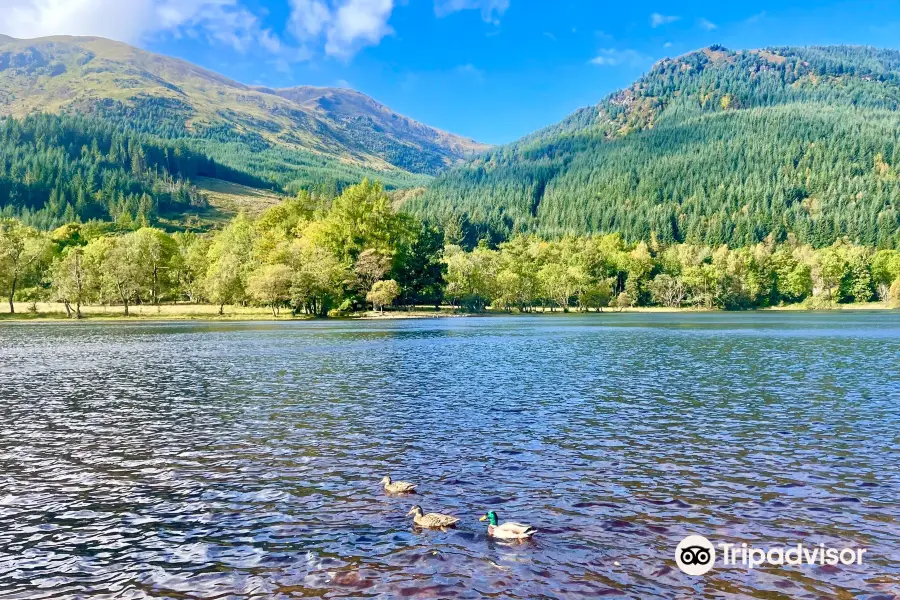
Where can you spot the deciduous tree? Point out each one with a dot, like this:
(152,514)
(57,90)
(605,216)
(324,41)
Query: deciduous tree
(270,285)
(383,293)
(21,249)
(69,282)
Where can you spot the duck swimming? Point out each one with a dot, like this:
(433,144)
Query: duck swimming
(397,487)
(431,520)
(509,530)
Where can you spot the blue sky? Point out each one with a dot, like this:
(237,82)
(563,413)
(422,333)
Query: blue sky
(493,70)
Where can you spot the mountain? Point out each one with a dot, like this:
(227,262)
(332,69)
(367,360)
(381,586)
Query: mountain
(716,146)
(370,123)
(292,137)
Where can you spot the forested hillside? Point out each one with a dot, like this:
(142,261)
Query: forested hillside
(714,147)
(56,169)
(293,138)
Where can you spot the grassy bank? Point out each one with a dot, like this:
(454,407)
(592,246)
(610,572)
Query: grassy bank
(856,306)
(691,309)
(52,311)
(48,311)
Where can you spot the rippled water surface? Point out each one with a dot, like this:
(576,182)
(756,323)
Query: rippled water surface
(242,460)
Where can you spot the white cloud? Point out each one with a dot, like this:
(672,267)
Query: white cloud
(610,57)
(309,17)
(337,27)
(358,23)
(108,18)
(269,41)
(657,19)
(667,45)
(233,26)
(491,10)
(344,26)
(133,21)
(706,24)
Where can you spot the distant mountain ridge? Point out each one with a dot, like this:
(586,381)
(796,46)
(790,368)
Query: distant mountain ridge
(345,105)
(300,129)
(716,146)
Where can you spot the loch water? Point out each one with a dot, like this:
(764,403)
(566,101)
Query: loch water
(239,460)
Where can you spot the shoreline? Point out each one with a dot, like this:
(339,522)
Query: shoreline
(52,313)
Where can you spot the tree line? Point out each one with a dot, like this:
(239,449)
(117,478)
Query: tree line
(316,255)
(591,273)
(308,255)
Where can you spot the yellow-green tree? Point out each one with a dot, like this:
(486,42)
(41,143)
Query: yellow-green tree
(270,285)
(828,271)
(471,276)
(113,269)
(69,281)
(189,265)
(383,293)
(156,251)
(595,294)
(229,263)
(21,250)
(885,270)
(319,280)
(361,218)
(668,290)
(894,294)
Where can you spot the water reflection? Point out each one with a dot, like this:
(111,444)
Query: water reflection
(242,460)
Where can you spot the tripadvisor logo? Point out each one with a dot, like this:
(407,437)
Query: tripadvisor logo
(695,555)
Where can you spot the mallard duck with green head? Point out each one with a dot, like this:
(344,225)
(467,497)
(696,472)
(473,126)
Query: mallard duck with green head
(507,531)
(431,520)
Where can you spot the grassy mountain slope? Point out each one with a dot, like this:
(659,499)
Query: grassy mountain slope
(713,147)
(292,137)
(374,127)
